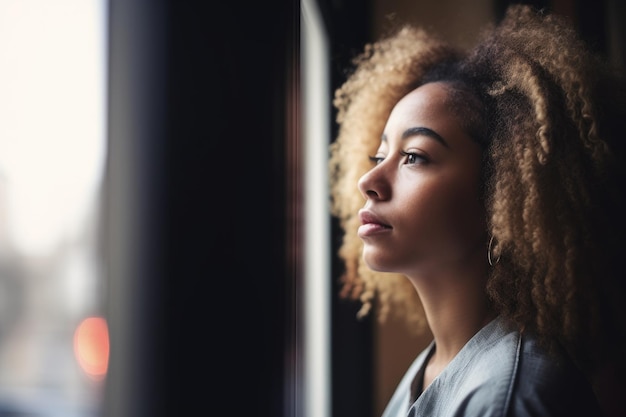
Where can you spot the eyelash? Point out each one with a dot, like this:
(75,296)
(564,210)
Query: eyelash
(378,159)
(413,155)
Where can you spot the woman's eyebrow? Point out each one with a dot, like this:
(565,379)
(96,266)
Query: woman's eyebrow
(420,131)
(424,131)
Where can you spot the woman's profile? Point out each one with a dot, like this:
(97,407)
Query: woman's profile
(480,193)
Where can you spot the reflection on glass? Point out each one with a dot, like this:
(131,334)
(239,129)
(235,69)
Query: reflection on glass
(53,338)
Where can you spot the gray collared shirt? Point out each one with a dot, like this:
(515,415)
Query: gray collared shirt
(499,372)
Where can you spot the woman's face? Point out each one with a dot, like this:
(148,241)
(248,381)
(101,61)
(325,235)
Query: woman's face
(423,212)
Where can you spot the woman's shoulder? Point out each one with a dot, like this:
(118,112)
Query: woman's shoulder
(548,383)
(511,374)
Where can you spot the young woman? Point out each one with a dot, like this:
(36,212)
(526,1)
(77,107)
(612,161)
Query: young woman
(489,208)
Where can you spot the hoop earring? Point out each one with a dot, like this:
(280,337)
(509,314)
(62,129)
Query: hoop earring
(491,261)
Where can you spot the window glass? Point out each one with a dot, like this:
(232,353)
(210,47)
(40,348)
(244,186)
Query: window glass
(53,336)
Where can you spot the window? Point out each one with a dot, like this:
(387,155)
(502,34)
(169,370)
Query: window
(53,336)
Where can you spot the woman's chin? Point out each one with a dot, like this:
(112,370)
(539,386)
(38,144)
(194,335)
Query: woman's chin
(375,262)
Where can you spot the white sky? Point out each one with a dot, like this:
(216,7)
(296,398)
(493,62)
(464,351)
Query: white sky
(52,117)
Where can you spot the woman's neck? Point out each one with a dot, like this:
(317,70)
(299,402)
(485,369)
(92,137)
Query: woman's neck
(456,307)
(454,321)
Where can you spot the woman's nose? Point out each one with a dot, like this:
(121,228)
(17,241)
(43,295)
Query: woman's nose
(374,184)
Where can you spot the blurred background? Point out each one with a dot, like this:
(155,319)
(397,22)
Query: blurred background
(165,242)
(53,334)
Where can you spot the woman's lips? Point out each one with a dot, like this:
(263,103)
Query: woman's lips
(371,224)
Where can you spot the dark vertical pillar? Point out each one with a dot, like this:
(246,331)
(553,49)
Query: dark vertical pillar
(200,91)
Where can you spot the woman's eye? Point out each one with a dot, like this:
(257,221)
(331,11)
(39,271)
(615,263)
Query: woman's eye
(412,157)
(376,159)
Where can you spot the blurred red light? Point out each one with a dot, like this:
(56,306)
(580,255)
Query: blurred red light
(91,346)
